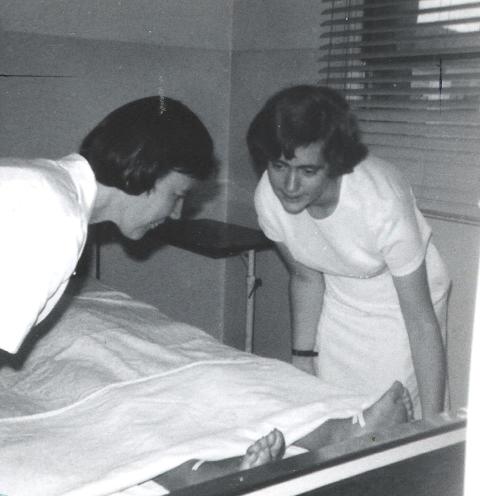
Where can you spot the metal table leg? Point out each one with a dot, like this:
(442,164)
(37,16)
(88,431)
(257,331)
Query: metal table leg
(251,287)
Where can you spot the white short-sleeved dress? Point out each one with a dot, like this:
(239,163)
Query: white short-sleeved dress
(45,206)
(376,231)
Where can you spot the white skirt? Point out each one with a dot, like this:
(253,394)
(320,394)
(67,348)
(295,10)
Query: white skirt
(362,341)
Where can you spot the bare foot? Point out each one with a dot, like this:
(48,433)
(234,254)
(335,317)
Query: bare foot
(394,407)
(407,401)
(266,449)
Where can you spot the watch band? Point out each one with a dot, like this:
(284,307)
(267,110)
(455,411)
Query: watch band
(304,353)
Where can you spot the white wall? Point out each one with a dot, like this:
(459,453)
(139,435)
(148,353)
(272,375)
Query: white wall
(200,24)
(109,53)
(460,246)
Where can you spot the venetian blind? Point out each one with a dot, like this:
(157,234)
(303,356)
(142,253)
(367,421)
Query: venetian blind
(411,71)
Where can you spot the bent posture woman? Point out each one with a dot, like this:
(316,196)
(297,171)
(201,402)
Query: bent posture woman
(133,169)
(368,289)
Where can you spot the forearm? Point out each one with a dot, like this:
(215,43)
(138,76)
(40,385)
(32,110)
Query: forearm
(426,344)
(306,297)
(305,306)
(306,287)
(429,361)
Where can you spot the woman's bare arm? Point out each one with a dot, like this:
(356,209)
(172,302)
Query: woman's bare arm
(306,288)
(426,344)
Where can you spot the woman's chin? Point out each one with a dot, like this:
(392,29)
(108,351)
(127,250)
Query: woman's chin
(135,234)
(293,208)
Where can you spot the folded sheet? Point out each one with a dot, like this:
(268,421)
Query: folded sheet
(115,393)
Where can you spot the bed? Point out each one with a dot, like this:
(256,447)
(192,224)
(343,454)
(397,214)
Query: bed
(108,393)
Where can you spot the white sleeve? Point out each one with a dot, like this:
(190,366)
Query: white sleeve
(42,238)
(402,232)
(268,209)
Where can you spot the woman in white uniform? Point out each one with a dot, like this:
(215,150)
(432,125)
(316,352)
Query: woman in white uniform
(133,169)
(368,289)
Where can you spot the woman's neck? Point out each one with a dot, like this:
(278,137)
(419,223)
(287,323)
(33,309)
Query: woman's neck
(326,205)
(102,208)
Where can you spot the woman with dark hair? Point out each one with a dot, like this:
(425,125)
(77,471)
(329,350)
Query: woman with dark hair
(133,169)
(146,156)
(368,289)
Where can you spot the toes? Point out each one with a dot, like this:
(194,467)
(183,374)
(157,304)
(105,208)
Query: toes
(254,448)
(277,444)
(404,405)
(262,453)
(250,459)
(396,389)
(393,393)
(264,443)
(266,449)
(408,403)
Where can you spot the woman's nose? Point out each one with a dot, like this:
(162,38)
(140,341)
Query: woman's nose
(176,212)
(291,182)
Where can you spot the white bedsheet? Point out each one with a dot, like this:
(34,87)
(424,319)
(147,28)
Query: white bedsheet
(116,393)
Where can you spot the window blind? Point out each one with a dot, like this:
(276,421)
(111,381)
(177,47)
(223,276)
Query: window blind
(411,71)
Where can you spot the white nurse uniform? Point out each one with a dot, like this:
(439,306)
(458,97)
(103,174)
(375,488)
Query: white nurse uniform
(376,231)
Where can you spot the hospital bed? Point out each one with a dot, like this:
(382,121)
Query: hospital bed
(107,393)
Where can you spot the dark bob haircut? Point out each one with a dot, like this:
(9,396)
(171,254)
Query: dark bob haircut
(301,115)
(144,140)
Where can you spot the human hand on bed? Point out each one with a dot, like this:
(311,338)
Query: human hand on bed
(304,363)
